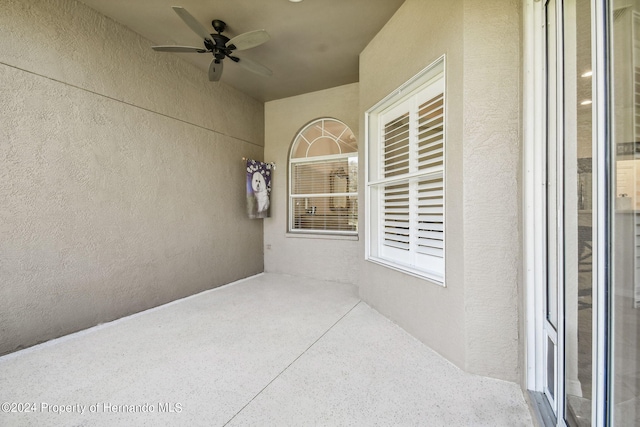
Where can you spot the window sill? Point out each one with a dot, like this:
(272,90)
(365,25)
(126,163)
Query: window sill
(407,270)
(323,236)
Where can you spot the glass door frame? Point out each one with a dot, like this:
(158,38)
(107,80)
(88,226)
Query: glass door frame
(553,301)
(602,200)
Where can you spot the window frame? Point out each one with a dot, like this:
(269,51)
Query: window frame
(434,73)
(318,232)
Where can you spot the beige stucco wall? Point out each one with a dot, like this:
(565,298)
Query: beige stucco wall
(308,256)
(474,320)
(492,186)
(121,175)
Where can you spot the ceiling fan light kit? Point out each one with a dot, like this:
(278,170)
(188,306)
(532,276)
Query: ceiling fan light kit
(220,46)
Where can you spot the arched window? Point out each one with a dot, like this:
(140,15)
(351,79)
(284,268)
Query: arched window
(323,179)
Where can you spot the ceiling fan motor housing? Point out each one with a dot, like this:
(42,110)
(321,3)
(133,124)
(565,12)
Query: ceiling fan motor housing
(219,45)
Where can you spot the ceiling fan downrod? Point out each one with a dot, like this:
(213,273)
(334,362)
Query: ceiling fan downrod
(219,46)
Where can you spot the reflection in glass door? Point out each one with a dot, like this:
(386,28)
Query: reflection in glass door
(577,213)
(624,291)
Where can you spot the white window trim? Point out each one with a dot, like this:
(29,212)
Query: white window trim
(435,70)
(534,193)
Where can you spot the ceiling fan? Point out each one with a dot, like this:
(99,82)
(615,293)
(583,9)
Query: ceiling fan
(220,45)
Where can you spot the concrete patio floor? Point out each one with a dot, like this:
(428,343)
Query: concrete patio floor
(271,350)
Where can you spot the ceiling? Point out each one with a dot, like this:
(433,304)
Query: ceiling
(314,44)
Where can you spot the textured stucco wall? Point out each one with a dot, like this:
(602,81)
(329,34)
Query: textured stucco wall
(121,177)
(418,34)
(328,257)
(474,320)
(492,188)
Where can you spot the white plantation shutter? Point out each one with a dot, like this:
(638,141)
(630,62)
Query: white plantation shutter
(396,146)
(406,182)
(396,221)
(430,190)
(430,144)
(430,213)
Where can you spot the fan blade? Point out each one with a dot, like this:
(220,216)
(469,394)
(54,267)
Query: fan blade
(192,22)
(253,66)
(248,40)
(182,49)
(215,71)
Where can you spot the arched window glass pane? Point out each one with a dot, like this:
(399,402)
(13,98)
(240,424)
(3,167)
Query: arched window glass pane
(324,137)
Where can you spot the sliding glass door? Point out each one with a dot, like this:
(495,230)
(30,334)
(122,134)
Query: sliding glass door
(577,168)
(569,225)
(589,332)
